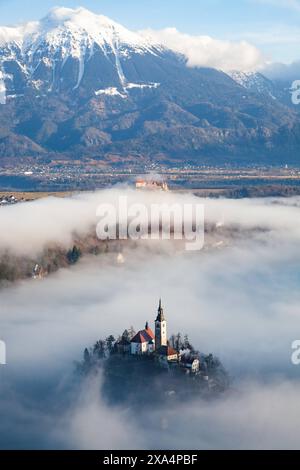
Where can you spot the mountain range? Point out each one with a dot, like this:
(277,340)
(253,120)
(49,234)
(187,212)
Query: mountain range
(78,86)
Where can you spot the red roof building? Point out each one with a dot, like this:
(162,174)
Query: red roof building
(143,341)
(167,353)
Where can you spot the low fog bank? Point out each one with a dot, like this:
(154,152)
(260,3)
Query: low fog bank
(241,303)
(255,416)
(27,229)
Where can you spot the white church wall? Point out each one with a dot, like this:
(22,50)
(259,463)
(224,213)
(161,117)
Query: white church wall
(135,348)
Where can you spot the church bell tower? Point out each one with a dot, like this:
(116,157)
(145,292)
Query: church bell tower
(160,328)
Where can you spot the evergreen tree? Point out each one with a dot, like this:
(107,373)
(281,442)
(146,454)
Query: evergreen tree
(212,362)
(86,357)
(99,349)
(126,335)
(131,332)
(172,341)
(74,255)
(187,344)
(178,342)
(110,342)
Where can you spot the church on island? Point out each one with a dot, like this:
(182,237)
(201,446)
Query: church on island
(145,342)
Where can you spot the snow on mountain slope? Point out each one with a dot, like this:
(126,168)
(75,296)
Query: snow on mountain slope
(253,81)
(69,34)
(68,30)
(112,91)
(2,89)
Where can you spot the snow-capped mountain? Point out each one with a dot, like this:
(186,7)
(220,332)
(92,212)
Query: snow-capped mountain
(64,47)
(79,84)
(255,82)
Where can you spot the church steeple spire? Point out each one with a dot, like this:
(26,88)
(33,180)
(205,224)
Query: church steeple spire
(160,312)
(160,328)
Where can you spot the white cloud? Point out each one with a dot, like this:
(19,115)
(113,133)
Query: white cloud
(36,225)
(243,420)
(205,51)
(92,424)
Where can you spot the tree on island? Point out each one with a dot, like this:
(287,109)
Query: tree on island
(212,362)
(99,349)
(110,343)
(86,356)
(85,366)
(131,332)
(74,255)
(187,344)
(125,335)
(177,343)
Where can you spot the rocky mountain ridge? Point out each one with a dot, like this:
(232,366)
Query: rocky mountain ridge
(75,85)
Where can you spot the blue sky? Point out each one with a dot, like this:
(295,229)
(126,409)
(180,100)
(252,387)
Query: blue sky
(272,25)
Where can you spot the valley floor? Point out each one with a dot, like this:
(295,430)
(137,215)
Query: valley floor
(26,183)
